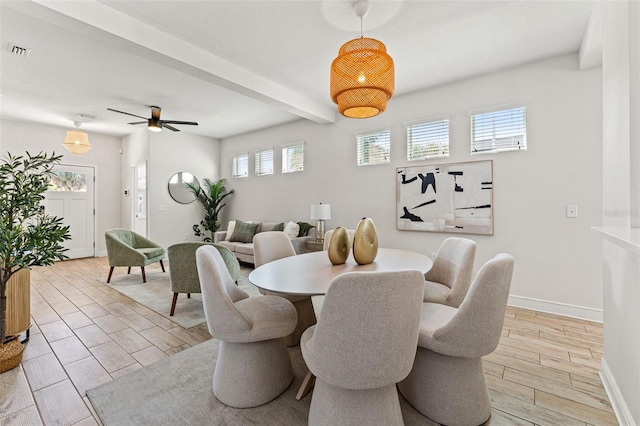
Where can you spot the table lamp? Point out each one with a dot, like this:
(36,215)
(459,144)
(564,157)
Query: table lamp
(320,212)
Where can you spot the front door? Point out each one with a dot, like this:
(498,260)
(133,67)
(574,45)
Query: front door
(71,197)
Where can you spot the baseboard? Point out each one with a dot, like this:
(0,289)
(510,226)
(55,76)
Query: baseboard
(101,254)
(620,408)
(563,309)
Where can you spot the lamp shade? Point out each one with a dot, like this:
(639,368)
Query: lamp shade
(321,211)
(77,142)
(362,78)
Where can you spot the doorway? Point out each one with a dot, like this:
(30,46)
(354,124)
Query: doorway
(71,197)
(140,199)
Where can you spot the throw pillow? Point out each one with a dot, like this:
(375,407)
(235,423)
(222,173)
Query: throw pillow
(304,227)
(244,232)
(230,227)
(278,227)
(292,229)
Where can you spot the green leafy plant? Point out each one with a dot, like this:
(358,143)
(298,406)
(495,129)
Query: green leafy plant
(211,198)
(28,236)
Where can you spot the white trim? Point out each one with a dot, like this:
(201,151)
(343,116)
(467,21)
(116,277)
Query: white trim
(619,405)
(425,120)
(289,145)
(563,309)
(101,253)
(496,108)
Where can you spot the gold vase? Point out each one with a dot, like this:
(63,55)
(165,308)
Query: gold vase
(365,242)
(339,246)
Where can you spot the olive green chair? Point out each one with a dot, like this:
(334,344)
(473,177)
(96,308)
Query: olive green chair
(184,272)
(126,248)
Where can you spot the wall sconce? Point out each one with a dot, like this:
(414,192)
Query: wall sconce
(320,212)
(77,142)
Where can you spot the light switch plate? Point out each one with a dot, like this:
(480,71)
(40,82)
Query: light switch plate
(572,210)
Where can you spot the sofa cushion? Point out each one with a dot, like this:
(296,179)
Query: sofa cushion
(279,227)
(151,252)
(244,231)
(246,248)
(228,244)
(230,227)
(271,226)
(304,228)
(292,229)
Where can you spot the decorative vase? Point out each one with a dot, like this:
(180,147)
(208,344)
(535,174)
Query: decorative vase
(10,355)
(339,246)
(365,242)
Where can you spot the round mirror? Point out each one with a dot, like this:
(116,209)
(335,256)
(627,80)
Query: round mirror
(178,187)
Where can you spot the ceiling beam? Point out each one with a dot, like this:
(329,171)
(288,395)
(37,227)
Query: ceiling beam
(168,50)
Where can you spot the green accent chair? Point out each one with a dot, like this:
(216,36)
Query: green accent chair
(126,248)
(184,272)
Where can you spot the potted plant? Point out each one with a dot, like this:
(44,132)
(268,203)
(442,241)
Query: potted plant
(211,199)
(28,237)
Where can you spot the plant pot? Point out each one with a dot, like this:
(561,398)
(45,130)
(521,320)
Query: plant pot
(10,355)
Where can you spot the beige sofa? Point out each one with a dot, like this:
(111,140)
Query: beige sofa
(244,250)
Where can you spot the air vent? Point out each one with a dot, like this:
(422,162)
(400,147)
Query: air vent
(18,50)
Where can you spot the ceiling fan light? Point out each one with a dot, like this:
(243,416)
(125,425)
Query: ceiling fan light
(77,142)
(154,125)
(362,78)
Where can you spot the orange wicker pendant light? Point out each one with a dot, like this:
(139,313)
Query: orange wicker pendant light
(362,76)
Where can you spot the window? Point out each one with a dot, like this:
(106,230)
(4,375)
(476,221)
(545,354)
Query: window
(264,162)
(496,131)
(428,139)
(240,166)
(373,147)
(293,158)
(67,181)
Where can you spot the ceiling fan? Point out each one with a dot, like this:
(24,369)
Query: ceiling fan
(154,123)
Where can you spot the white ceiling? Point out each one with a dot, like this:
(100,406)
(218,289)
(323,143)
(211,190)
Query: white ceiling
(238,66)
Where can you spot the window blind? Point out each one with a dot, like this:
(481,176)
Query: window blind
(373,147)
(504,130)
(240,166)
(264,162)
(428,139)
(293,158)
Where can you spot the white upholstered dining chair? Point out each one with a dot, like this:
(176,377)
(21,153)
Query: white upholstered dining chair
(274,245)
(447,383)
(253,365)
(448,280)
(361,347)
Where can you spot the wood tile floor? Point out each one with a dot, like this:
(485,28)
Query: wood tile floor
(544,372)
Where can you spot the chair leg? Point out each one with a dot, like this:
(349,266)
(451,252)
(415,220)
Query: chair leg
(144,277)
(110,272)
(173,304)
(129,270)
(162,265)
(188,295)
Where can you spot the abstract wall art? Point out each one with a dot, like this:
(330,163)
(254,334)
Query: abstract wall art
(456,197)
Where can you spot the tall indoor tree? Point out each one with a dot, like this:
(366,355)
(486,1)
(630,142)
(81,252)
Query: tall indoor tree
(211,198)
(28,236)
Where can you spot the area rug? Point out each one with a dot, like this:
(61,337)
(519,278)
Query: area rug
(178,391)
(156,294)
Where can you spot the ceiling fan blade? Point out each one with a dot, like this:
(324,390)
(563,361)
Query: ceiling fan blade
(186,123)
(139,122)
(155,112)
(127,113)
(166,126)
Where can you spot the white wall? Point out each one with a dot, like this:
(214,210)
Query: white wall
(557,259)
(170,152)
(621,191)
(17,137)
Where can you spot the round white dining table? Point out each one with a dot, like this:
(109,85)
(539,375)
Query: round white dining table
(311,274)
